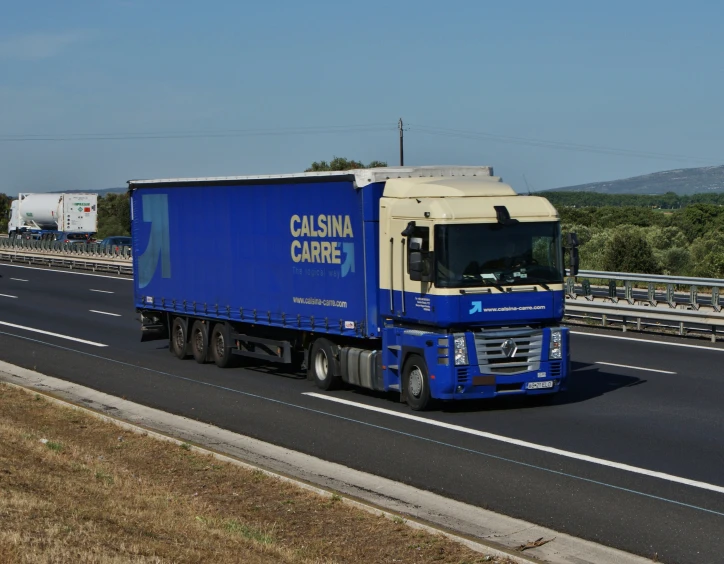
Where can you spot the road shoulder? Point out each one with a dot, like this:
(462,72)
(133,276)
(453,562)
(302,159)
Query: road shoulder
(477,528)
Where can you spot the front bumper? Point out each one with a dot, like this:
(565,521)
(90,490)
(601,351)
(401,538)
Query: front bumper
(470,383)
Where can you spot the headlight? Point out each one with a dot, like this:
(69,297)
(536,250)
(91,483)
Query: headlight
(461,350)
(555,352)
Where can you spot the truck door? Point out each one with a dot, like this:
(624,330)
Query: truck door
(407,264)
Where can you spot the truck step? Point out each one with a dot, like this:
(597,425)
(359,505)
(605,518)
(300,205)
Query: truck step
(394,367)
(394,347)
(395,387)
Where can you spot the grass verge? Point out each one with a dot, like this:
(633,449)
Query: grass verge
(77,489)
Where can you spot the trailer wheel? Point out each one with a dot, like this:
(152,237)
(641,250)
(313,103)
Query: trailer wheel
(322,365)
(220,349)
(416,381)
(179,338)
(200,341)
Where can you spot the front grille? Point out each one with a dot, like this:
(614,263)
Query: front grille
(555,369)
(492,358)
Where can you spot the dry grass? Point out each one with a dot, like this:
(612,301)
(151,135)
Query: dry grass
(77,489)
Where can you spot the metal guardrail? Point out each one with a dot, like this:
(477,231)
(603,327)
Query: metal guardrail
(660,303)
(74,249)
(75,256)
(659,290)
(647,301)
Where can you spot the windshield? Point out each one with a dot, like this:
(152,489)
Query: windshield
(480,254)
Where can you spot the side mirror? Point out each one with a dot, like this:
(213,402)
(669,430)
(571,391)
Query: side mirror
(574,261)
(415,243)
(420,266)
(416,266)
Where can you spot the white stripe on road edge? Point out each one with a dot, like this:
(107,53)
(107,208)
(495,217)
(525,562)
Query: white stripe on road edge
(646,341)
(19,279)
(102,291)
(636,367)
(68,272)
(8,296)
(105,313)
(52,334)
(526,444)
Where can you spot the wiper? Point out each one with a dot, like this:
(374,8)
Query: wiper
(539,281)
(484,282)
(489,282)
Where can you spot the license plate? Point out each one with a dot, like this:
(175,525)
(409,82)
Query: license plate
(539,385)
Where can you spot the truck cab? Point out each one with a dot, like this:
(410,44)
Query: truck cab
(471,284)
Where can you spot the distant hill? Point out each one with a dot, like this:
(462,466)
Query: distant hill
(683,181)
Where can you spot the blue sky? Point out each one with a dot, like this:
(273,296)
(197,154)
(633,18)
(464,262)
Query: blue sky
(641,78)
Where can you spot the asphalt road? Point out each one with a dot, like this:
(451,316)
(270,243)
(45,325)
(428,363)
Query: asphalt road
(631,457)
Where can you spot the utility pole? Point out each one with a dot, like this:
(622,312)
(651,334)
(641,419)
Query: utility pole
(402,143)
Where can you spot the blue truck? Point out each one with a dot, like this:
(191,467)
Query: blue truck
(440,283)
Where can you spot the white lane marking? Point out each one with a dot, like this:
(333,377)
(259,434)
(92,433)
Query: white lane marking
(102,291)
(526,444)
(646,341)
(8,296)
(105,313)
(68,272)
(51,334)
(636,367)
(19,279)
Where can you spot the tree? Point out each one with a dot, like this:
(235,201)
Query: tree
(114,215)
(4,207)
(629,251)
(340,163)
(707,255)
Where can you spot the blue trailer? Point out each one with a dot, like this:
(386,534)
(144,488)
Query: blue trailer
(440,283)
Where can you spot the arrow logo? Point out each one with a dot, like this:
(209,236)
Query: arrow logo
(348,264)
(477,308)
(155,212)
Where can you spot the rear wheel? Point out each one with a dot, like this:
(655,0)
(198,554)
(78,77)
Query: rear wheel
(417,383)
(220,348)
(321,365)
(200,341)
(179,338)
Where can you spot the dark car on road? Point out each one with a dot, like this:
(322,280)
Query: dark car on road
(72,237)
(115,243)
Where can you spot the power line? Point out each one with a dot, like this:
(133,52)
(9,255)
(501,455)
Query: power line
(359,128)
(351,128)
(548,144)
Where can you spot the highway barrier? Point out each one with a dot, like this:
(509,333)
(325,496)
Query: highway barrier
(74,256)
(646,301)
(621,299)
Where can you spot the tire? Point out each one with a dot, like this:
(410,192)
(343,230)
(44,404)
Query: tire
(416,380)
(220,349)
(179,338)
(200,341)
(323,364)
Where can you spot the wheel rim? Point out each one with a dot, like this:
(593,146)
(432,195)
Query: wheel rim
(415,381)
(179,338)
(220,345)
(321,364)
(199,340)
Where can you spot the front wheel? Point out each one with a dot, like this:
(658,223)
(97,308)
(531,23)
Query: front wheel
(417,383)
(321,365)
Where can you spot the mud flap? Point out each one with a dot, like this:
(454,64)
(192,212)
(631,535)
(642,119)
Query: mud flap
(154,326)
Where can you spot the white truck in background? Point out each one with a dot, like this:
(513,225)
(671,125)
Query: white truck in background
(53,213)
